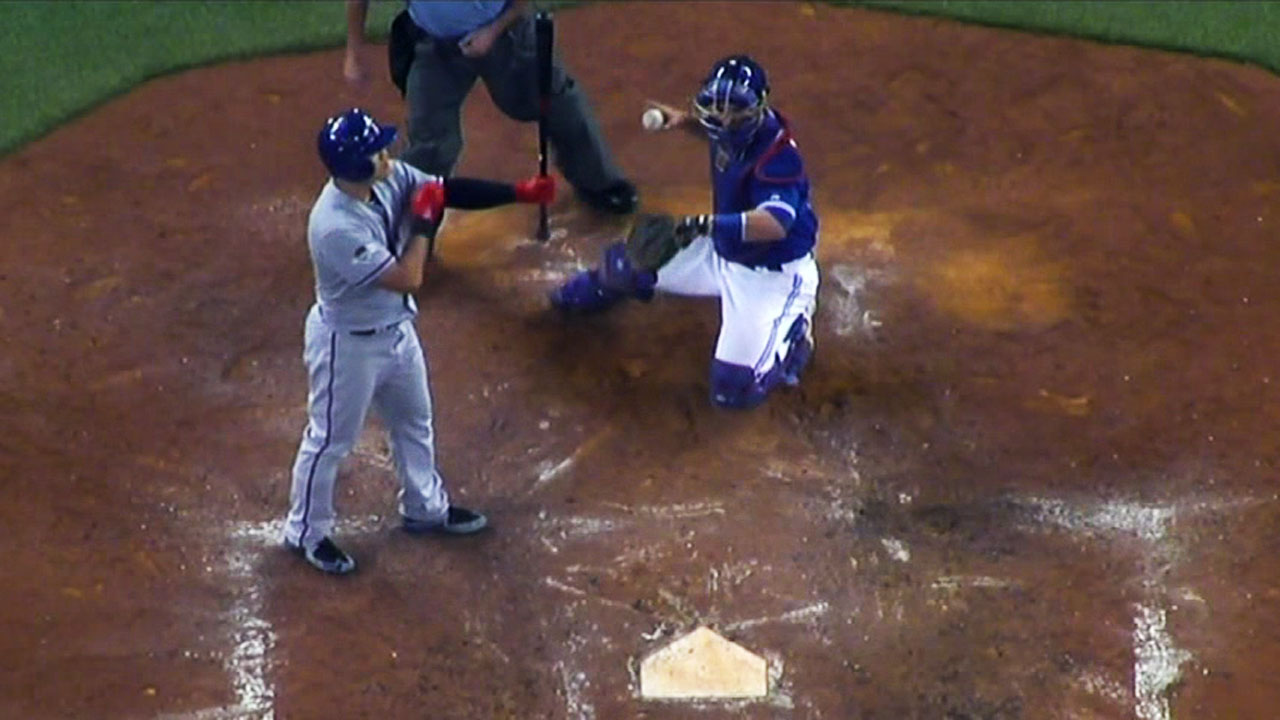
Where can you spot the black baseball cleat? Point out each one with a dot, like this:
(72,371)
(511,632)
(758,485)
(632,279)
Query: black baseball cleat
(326,556)
(619,197)
(458,521)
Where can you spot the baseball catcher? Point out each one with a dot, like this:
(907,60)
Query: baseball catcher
(755,250)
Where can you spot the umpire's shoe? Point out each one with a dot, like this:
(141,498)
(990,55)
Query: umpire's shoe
(619,197)
(458,521)
(326,556)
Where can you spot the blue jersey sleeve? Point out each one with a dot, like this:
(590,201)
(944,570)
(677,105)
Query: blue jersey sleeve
(777,185)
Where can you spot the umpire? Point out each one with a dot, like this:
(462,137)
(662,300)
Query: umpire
(437,50)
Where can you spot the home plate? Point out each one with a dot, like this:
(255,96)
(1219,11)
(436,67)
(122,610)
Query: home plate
(703,664)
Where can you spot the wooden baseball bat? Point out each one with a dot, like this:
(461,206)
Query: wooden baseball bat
(544,31)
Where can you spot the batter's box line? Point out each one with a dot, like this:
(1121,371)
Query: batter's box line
(249,662)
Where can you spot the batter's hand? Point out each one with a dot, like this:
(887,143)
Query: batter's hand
(539,189)
(427,208)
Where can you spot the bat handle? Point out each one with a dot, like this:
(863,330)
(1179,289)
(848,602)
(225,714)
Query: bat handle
(544,231)
(544,31)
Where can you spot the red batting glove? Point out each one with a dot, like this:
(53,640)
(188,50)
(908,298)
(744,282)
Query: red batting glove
(428,201)
(539,189)
(426,208)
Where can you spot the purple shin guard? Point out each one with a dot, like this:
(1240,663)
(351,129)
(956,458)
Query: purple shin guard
(599,289)
(617,274)
(584,294)
(737,387)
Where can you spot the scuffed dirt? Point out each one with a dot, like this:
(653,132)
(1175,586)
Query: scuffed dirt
(1030,475)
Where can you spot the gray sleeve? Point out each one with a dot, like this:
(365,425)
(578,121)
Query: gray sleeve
(358,258)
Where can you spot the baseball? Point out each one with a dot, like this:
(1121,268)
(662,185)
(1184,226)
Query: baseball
(653,119)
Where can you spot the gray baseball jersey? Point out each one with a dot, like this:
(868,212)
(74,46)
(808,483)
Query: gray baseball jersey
(353,242)
(361,351)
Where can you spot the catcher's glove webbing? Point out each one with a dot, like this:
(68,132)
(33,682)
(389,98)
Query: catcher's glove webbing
(651,242)
(656,237)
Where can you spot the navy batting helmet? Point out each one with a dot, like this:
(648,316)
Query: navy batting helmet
(733,97)
(348,141)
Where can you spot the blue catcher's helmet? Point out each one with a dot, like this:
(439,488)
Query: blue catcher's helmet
(732,101)
(348,142)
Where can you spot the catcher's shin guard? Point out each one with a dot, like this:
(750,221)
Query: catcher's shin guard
(737,387)
(617,273)
(583,294)
(599,289)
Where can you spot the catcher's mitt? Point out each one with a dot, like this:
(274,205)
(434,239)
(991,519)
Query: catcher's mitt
(652,241)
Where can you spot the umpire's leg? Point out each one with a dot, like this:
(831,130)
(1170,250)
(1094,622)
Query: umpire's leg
(438,83)
(510,72)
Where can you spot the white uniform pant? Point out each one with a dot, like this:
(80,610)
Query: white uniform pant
(757,306)
(347,374)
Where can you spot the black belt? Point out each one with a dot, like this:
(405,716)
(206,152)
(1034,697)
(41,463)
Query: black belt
(372,331)
(777,267)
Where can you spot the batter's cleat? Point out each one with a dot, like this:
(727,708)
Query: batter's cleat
(619,197)
(326,556)
(458,521)
(583,294)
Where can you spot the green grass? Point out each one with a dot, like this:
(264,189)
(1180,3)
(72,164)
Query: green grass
(60,59)
(1244,31)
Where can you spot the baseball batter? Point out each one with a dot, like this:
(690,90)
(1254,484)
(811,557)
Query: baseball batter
(368,234)
(755,251)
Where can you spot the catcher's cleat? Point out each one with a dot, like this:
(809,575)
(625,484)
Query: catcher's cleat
(326,556)
(458,521)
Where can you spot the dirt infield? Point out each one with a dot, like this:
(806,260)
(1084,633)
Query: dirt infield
(1032,472)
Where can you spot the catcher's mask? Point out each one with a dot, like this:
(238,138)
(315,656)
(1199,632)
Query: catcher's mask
(732,100)
(348,143)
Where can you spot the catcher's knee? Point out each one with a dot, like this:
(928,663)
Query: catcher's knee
(735,387)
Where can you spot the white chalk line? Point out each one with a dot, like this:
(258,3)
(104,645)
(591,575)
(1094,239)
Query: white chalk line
(897,549)
(249,663)
(809,612)
(955,582)
(1157,660)
(573,680)
(548,470)
(577,592)
(850,316)
(1157,663)
(676,511)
